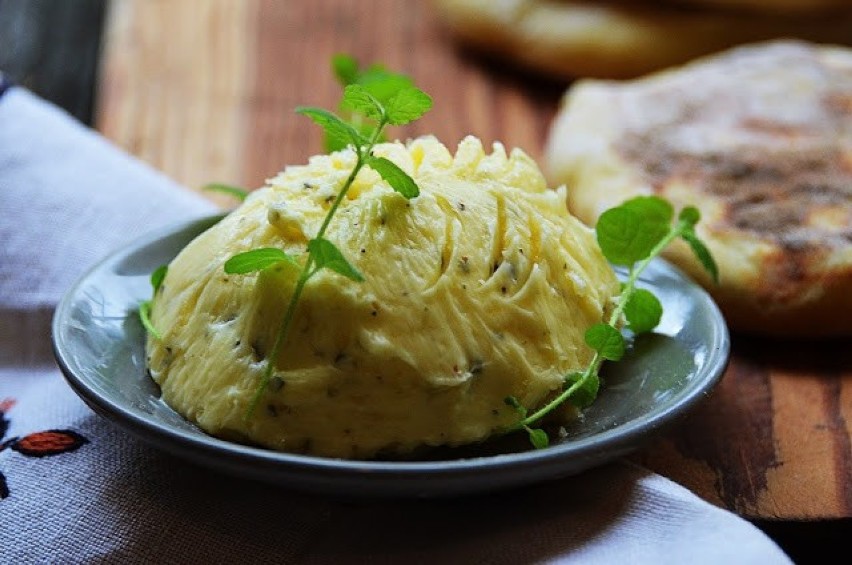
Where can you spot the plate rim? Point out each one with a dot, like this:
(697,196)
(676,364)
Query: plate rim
(620,439)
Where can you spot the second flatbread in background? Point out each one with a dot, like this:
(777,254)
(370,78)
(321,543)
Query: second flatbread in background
(804,7)
(607,39)
(760,140)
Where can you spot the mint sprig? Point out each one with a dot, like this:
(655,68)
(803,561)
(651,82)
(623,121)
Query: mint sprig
(235,192)
(374,99)
(631,235)
(157,278)
(381,85)
(257,260)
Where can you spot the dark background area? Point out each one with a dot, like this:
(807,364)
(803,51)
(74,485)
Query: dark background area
(52,47)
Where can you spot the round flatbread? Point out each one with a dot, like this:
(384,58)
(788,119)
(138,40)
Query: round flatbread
(565,39)
(760,140)
(772,6)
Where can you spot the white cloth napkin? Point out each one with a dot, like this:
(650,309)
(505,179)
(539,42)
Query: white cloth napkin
(76,489)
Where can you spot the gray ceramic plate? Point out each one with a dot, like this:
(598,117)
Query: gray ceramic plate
(98,342)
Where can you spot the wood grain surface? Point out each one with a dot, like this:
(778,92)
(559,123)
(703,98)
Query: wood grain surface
(205,91)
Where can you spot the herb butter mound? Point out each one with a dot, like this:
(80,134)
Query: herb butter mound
(478,289)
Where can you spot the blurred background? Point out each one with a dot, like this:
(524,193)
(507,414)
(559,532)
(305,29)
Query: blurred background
(204,91)
(52,47)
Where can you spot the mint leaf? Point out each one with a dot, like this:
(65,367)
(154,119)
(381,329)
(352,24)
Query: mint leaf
(366,128)
(333,143)
(538,438)
(407,105)
(690,215)
(327,256)
(257,260)
(394,176)
(145,318)
(358,99)
(588,391)
(157,277)
(335,128)
(625,236)
(345,68)
(383,84)
(632,234)
(514,403)
(643,311)
(364,104)
(239,193)
(702,253)
(606,340)
(653,208)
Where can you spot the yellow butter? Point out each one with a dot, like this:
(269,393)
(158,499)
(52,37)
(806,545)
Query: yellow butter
(480,288)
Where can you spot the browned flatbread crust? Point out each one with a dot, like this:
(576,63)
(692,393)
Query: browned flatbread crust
(790,7)
(760,140)
(567,39)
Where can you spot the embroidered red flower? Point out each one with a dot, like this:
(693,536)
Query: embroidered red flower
(50,442)
(38,444)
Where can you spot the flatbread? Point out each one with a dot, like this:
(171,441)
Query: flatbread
(565,39)
(772,6)
(759,138)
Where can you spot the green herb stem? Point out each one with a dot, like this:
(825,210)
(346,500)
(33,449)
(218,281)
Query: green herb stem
(615,316)
(359,164)
(371,95)
(308,271)
(283,330)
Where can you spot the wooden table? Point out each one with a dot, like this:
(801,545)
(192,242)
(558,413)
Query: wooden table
(205,91)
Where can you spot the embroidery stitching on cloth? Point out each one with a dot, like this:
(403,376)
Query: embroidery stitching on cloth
(38,444)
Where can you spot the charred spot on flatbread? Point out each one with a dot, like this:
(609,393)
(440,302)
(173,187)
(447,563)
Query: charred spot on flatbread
(760,139)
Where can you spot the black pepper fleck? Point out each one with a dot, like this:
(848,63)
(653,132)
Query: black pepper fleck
(257,350)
